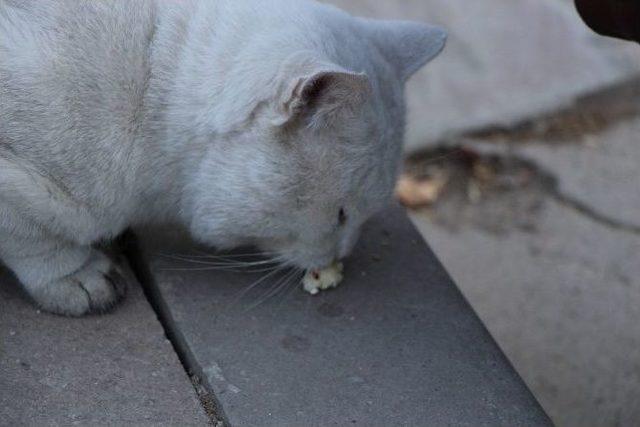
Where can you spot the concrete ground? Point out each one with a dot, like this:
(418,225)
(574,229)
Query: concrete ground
(395,344)
(109,370)
(539,225)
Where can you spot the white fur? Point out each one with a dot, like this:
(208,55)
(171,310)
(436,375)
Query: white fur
(250,121)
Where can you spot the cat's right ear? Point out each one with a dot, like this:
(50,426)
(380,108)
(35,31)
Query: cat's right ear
(321,95)
(407,46)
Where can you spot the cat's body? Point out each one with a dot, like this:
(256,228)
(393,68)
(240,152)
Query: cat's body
(245,120)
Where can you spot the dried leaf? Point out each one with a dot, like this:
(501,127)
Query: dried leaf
(413,193)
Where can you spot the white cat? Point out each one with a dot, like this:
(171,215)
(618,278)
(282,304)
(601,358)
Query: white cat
(277,123)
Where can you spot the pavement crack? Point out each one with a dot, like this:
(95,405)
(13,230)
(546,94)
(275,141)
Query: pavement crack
(509,189)
(587,211)
(553,190)
(211,406)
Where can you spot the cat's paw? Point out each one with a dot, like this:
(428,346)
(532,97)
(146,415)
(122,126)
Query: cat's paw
(95,288)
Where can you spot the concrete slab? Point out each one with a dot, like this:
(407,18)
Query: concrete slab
(562,298)
(505,61)
(116,369)
(396,344)
(600,172)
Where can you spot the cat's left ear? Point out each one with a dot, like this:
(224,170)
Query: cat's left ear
(322,94)
(407,46)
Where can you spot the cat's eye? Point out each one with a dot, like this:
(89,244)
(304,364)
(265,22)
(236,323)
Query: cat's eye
(342,217)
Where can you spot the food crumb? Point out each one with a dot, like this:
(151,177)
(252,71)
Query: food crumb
(315,281)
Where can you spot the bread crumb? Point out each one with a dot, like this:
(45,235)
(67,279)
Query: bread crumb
(319,280)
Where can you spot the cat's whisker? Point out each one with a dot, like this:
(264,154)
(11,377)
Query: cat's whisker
(231,257)
(201,254)
(235,269)
(230,264)
(204,254)
(251,286)
(292,287)
(275,289)
(234,263)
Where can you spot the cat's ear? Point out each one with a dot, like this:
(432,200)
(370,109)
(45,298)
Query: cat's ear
(407,46)
(321,94)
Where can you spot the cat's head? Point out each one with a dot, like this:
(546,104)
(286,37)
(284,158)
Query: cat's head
(318,152)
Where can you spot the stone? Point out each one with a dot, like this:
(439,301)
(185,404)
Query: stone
(562,298)
(504,61)
(116,369)
(395,344)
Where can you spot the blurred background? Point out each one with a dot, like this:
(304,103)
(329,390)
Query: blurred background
(523,174)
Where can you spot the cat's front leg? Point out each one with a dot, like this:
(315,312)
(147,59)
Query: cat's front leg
(65,278)
(45,239)
(62,276)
